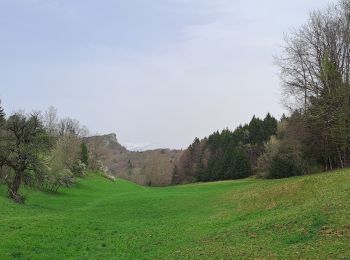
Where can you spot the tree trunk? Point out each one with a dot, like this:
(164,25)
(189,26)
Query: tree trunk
(341,160)
(14,188)
(330,163)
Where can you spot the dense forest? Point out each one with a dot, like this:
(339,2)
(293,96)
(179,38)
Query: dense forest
(226,155)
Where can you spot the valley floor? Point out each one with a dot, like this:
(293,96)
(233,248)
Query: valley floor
(303,217)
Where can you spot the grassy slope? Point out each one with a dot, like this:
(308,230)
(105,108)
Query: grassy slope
(306,216)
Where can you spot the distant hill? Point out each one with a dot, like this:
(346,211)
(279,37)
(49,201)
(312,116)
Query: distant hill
(152,168)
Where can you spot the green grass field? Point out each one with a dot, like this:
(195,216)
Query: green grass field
(304,217)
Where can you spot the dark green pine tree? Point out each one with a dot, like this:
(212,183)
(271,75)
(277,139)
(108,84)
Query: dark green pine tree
(270,126)
(236,164)
(256,131)
(241,164)
(84,154)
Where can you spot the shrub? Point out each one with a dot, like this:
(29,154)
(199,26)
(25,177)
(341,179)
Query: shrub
(287,162)
(264,161)
(55,174)
(79,168)
(284,154)
(57,179)
(109,177)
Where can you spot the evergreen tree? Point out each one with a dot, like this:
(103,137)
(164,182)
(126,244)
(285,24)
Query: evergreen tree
(269,126)
(226,155)
(241,164)
(84,154)
(256,131)
(236,164)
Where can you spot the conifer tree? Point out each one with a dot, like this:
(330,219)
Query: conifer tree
(84,154)
(270,127)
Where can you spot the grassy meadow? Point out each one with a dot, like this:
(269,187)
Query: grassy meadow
(302,217)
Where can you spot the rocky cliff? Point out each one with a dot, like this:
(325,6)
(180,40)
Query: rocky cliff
(153,168)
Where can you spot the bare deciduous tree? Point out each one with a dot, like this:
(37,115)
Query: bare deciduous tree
(96,153)
(50,121)
(71,126)
(315,71)
(327,33)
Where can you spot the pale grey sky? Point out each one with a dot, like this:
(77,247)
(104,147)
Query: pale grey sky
(157,73)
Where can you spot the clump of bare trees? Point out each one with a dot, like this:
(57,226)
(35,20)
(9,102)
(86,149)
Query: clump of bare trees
(68,137)
(97,153)
(315,71)
(309,52)
(39,150)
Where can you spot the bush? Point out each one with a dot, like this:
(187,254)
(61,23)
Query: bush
(284,156)
(56,173)
(56,179)
(265,160)
(287,162)
(78,169)
(109,177)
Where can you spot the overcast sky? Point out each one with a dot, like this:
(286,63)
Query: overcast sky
(158,73)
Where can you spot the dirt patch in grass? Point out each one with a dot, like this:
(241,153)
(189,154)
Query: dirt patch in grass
(343,231)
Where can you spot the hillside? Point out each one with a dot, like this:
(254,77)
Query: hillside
(153,168)
(306,217)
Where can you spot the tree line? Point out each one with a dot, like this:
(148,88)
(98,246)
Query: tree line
(315,72)
(227,154)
